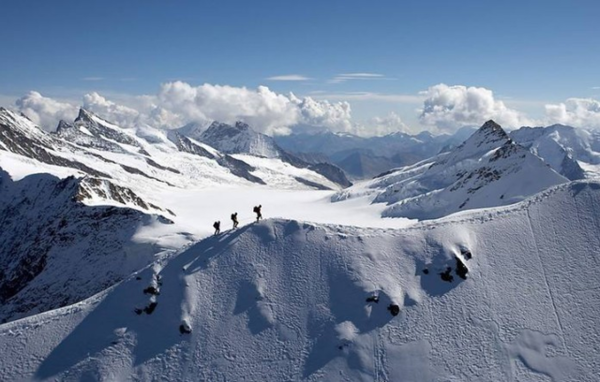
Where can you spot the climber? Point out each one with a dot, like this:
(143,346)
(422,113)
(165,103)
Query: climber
(234,219)
(217,227)
(256,210)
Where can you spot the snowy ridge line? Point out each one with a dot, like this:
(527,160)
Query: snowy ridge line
(281,300)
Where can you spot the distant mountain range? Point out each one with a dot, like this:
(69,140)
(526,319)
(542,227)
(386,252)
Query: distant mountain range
(488,169)
(92,145)
(363,158)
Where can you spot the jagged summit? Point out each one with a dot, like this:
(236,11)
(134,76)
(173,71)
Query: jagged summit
(85,115)
(491,125)
(489,134)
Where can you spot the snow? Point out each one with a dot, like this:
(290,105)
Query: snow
(85,131)
(20,167)
(487,170)
(280,174)
(286,300)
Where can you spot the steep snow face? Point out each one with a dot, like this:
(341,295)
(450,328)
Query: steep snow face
(55,250)
(486,170)
(484,296)
(239,139)
(561,147)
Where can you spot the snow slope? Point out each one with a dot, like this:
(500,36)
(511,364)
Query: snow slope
(143,159)
(287,300)
(562,147)
(236,139)
(486,170)
(55,250)
(242,139)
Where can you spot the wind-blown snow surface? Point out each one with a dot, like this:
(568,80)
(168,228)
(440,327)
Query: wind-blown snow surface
(286,300)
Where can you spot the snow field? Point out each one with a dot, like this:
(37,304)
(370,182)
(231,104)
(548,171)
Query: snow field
(286,300)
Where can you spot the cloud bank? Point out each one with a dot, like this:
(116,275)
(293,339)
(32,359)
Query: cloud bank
(576,112)
(451,107)
(44,111)
(444,108)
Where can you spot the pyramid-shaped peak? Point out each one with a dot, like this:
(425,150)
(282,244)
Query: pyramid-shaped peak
(491,125)
(84,115)
(489,132)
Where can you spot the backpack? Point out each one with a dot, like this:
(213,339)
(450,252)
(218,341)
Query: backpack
(255,210)
(233,217)
(216,225)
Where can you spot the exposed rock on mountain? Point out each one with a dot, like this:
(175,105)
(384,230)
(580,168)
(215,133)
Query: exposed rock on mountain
(55,250)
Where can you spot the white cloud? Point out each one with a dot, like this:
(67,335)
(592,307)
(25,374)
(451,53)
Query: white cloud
(118,114)
(45,112)
(370,96)
(343,77)
(178,103)
(392,123)
(332,116)
(262,108)
(452,107)
(289,77)
(93,78)
(595,87)
(576,112)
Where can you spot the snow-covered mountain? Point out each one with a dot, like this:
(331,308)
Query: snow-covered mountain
(242,139)
(97,188)
(55,250)
(239,139)
(99,148)
(486,170)
(498,295)
(102,275)
(566,149)
(363,158)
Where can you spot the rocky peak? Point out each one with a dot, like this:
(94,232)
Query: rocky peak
(84,115)
(62,126)
(490,133)
(242,126)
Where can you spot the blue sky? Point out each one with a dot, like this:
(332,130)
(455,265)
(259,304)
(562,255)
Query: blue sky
(527,52)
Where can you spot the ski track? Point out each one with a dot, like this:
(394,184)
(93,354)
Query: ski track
(547,285)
